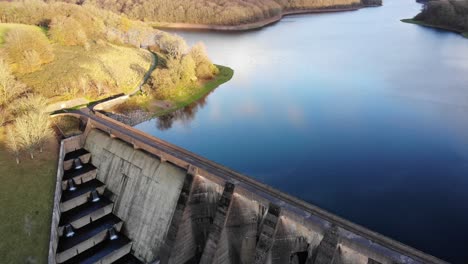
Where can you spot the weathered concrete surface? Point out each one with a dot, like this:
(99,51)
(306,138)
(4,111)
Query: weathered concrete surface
(239,237)
(219,221)
(267,233)
(145,191)
(171,236)
(196,221)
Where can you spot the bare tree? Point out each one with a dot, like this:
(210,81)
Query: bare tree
(33,127)
(13,144)
(30,103)
(9,87)
(173,45)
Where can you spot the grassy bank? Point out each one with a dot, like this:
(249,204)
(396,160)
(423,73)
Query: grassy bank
(421,23)
(225,74)
(26,196)
(151,105)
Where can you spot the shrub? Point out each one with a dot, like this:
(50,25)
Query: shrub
(27,49)
(67,31)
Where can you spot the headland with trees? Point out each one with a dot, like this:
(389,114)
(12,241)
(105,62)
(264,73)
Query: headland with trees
(450,15)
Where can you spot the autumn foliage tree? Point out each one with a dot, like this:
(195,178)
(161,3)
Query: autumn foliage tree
(203,66)
(67,31)
(182,69)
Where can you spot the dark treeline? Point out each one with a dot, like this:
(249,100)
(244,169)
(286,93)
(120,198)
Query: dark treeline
(218,12)
(448,13)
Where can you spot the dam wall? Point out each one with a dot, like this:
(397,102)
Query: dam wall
(181,208)
(144,190)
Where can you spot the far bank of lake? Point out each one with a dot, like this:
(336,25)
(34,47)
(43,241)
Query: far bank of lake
(253,25)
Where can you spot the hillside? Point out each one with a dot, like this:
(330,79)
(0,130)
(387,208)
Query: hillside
(78,61)
(216,12)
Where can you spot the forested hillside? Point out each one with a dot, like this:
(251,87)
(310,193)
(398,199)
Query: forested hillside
(452,14)
(52,52)
(217,12)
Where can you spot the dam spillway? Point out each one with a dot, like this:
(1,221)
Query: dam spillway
(176,207)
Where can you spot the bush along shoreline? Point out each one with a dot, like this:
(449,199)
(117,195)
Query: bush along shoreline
(143,107)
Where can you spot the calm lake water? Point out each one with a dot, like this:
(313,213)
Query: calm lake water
(356,112)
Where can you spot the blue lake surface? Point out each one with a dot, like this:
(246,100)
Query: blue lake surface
(355,112)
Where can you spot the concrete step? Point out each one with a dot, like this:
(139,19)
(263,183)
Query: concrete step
(81,154)
(85,174)
(105,252)
(72,199)
(127,259)
(85,213)
(86,237)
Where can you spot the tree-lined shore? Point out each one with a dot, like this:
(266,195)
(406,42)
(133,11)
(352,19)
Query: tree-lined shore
(217,12)
(449,15)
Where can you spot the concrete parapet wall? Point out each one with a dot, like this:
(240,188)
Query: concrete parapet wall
(66,146)
(66,104)
(111,103)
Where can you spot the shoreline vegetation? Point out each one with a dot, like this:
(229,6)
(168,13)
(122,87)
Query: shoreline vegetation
(221,14)
(140,107)
(253,25)
(424,24)
(450,15)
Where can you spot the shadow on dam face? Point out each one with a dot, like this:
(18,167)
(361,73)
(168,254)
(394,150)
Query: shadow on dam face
(185,214)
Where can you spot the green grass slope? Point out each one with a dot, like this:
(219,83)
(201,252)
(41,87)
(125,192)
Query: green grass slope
(26,195)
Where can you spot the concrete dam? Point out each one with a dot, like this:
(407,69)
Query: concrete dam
(123,196)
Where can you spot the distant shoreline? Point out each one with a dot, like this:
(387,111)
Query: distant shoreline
(424,24)
(253,25)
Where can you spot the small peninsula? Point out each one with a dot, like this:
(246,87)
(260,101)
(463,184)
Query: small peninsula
(443,14)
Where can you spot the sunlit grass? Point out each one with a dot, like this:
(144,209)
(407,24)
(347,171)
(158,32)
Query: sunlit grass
(4,27)
(120,68)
